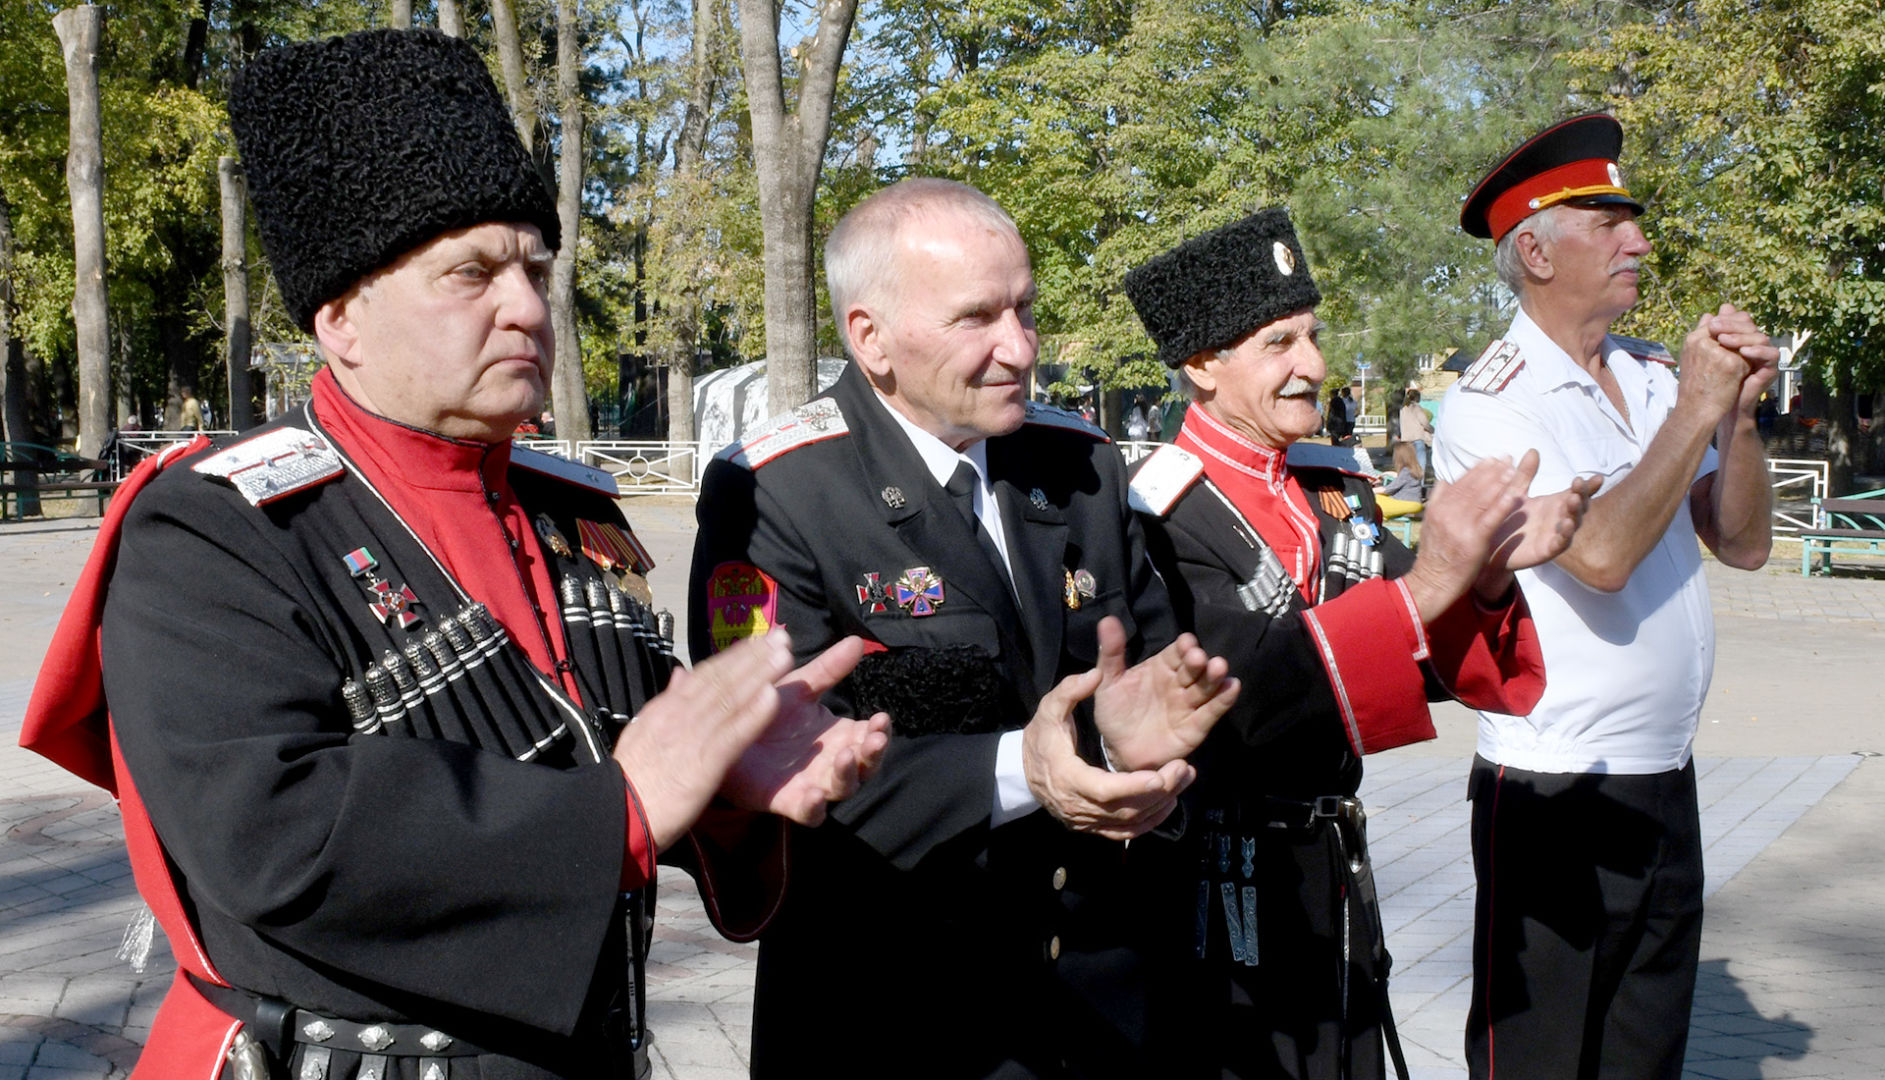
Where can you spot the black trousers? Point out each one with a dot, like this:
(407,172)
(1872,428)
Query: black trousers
(1587,924)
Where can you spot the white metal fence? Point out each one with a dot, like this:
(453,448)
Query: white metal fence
(1798,481)
(653,467)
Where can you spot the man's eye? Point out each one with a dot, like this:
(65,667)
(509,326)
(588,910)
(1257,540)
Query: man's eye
(472,272)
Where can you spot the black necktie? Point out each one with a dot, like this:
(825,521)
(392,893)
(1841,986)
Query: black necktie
(961,488)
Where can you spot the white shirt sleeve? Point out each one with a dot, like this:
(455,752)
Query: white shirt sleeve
(1013,797)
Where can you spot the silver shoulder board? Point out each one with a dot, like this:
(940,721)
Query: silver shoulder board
(273,464)
(1050,416)
(1494,368)
(562,468)
(1166,475)
(814,421)
(1653,352)
(1348,459)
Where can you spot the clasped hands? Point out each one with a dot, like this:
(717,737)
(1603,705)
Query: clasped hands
(744,725)
(1727,361)
(1150,716)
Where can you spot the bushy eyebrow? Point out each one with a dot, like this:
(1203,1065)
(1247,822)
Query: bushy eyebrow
(1278,337)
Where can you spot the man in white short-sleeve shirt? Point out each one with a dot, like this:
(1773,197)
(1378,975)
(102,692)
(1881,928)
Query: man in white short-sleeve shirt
(1585,834)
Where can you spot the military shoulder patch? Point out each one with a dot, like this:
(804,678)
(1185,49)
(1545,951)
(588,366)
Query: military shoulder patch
(1157,483)
(814,421)
(1349,459)
(1049,416)
(274,464)
(1494,369)
(1650,352)
(742,602)
(560,468)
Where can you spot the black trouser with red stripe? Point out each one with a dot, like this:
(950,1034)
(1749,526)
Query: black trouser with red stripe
(1587,924)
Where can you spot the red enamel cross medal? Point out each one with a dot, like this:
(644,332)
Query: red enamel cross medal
(389,603)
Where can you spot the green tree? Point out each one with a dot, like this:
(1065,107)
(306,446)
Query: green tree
(1758,134)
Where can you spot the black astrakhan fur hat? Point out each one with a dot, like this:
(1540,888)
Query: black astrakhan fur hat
(362,147)
(1210,291)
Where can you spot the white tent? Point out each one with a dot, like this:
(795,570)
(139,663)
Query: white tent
(730,402)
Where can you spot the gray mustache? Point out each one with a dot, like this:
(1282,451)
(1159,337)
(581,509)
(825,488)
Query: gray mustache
(1298,385)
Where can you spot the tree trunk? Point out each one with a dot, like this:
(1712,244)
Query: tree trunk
(451,20)
(683,361)
(241,413)
(78,30)
(569,391)
(788,154)
(13,426)
(400,16)
(510,60)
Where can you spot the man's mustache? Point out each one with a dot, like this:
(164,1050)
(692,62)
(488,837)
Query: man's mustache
(1297,386)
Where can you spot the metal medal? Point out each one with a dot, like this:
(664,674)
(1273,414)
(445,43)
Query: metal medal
(1072,593)
(893,497)
(1037,499)
(1085,585)
(873,595)
(919,591)
(546,531)
(391,604)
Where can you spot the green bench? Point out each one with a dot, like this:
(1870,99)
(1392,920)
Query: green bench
(31,473)
(1852,525)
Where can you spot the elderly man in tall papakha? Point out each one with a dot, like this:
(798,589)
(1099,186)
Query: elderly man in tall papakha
(396,750)
(1275,556)
(1585,824)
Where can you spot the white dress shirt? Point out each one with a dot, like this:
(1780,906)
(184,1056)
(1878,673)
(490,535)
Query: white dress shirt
(1626,672)
(1013,797)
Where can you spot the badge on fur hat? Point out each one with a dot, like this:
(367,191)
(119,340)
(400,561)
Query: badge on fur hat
(742,602)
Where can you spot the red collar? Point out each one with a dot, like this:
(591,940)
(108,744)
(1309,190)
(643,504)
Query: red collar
(396,456)
(1223,449)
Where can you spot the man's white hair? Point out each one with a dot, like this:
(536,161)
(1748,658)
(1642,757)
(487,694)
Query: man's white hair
(1546,226)
(861,255)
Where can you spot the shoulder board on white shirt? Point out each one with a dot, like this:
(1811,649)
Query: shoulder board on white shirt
(1349,459)
(814,421)
(1494,369)
(562,468)
(1650,352)
(1165,476)
(1049,416)
(274,464)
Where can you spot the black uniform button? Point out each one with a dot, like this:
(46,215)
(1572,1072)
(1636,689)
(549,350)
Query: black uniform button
(491,496)
(1060,878)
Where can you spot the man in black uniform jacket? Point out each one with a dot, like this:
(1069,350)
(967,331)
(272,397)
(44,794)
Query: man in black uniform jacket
(1274,554)
(1007,938)
(393,742)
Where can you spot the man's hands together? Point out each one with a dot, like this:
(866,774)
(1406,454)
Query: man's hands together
(1150,716)
(1478,530)
(1727,362)
(744,724)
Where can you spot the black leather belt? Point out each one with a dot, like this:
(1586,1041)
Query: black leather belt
(276,1024)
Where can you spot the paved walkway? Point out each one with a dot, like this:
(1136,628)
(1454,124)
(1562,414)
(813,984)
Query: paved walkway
(1793,959)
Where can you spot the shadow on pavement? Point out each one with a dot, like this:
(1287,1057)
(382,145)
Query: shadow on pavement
(1728,1036)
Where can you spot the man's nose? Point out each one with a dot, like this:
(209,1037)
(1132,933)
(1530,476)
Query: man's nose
(525,303)
(1310,363)
(1635,240)
(1020,342)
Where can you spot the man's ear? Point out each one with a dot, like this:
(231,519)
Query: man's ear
(864,332)
(1197,368)
(337,329)
(1532,255)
